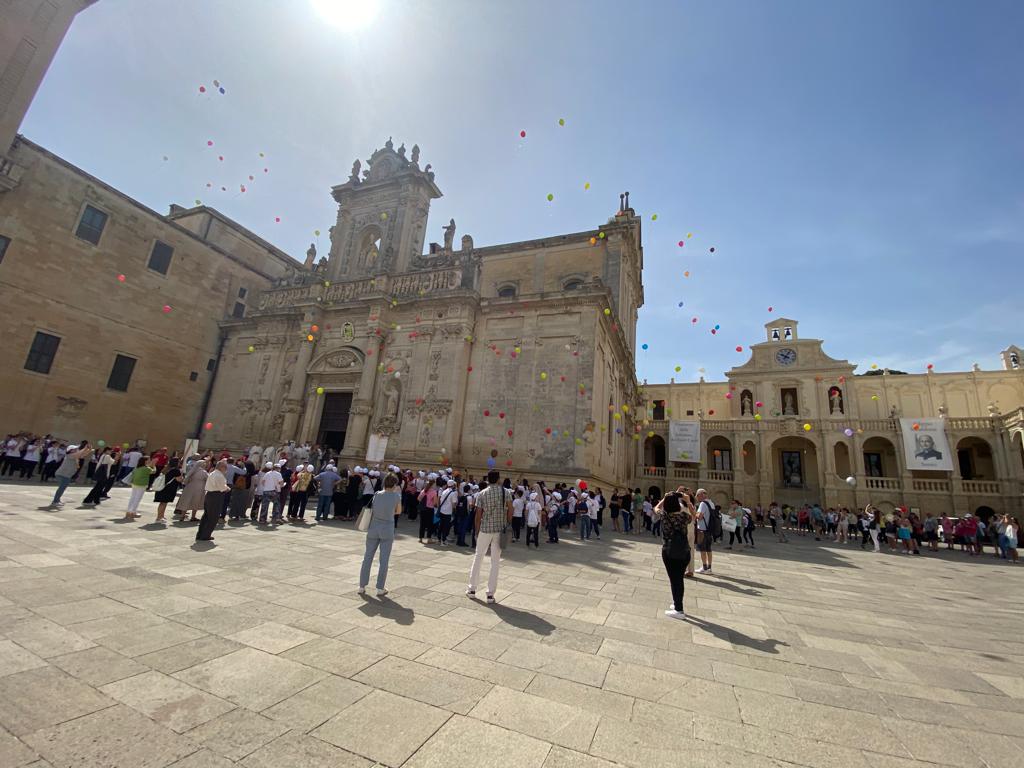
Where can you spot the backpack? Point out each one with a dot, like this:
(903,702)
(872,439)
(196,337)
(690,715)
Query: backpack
(715,524)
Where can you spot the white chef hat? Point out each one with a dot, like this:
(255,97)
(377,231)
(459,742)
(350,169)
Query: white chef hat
(309,467)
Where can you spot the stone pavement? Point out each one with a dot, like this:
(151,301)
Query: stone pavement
(122,646)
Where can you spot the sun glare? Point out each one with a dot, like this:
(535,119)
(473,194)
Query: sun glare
(346,14)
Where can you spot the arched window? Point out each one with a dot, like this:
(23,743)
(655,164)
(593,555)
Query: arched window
(658,412)
(369,247)
(507,292)
(572,285)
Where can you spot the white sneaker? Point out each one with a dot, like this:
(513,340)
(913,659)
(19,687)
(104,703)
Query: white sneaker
(361,591)
(381,592)
(702,569)
(674,614)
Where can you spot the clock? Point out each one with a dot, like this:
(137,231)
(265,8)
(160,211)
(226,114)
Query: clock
(785,356)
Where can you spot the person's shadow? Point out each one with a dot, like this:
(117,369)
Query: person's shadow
(203,546)
(735,636)
(522,619)
(387,609)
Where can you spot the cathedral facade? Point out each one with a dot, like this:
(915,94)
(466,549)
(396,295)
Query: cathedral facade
(510,355)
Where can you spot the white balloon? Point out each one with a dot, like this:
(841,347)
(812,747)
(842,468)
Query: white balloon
(851,481)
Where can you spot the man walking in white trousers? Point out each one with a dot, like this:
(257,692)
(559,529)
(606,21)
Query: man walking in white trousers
(493,512)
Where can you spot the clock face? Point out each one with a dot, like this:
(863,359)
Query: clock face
(785,356)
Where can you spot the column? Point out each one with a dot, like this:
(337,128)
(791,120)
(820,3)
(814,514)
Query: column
(296,393)
(362,404)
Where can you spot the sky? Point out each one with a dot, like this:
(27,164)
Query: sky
(857,166)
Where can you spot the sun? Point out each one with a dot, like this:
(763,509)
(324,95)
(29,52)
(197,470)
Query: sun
(347,14)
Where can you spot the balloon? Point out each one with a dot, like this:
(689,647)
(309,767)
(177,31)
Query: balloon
(654,217)
(848,432)
(547,431)
(522,134)
(490,462)
(261,154)
(252,348)
(601,235)
(277,219)
(470,369)
(124,445)
(593,241)
(851,481)
(508,463)
(711,412)
(316,232)
(679,368)
(121,278)
(221,158)
(167,308)
(198,201)
(916,427)
(874,397)
(681,243)
(930,366)
(509,433)
(757,417)
(561,121)
(874,366)
(543,376)
(319,390)
(501,415)
(769,309)
(327,283)
(221,89)
(550,197)
(625,409)
(607,311)
(616,416)
(807,427)
(586,186)
(309,337)
(314,328)
(202,89)
(643,346)
(208,425)
(384,217)
(739,349)
(712,250)
(713,332)
(717,327)
(686,274)
(758,404)
(216,83)
(728,395)
(101,443)
(582,484)
(694,320)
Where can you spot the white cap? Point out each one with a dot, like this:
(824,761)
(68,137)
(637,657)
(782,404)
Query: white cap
(533,496)
(309,467)
(432,476)
(586,495)
(451,483)
(557,496)
(282,462)
(269,465)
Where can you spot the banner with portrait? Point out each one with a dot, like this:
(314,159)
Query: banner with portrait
(925,445)
(684,441)
(376,447)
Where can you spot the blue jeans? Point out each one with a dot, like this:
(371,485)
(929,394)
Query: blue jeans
(372,543)
(62,484)
(627,521)
(584,526)
(268,497)
(323,507)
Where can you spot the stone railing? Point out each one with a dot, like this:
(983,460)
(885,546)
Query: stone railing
(883,483)
(718,475)
(970,424)
(931,486)
(406,285)
(982,487)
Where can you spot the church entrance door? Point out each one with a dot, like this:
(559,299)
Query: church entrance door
(334,420)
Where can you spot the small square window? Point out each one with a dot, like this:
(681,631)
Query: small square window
(193,376)
(90,226)
(41,353)
(121,373)
(239,310)
(242,293)
(689,413)
(4,242)
(211,364)
(160,257)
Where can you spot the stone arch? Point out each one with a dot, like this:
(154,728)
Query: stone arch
(338,359)
(749,454)
(880,458)
(794,463)
(719,453)
(368,251)
(975,459)
(507,290)
(841,454)
(654,491)
(654,451)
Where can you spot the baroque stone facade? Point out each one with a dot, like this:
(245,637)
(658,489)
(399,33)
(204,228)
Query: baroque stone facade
(755,419)
(511,352)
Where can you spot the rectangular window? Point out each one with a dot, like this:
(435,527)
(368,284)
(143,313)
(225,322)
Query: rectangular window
(160,258)
(193,376)
(211,364)
(792,469)
(723,461)
(873,465)
(41,353)
(90,226)
(239,310)
(121,373)
(4,242)
(242,292)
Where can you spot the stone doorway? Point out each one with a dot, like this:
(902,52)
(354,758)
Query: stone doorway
(334,420)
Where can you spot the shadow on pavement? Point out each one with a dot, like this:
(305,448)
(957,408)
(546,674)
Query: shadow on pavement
(521,619)
(387,609)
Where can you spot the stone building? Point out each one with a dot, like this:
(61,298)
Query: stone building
(792,424)
(111,309)
(508,354)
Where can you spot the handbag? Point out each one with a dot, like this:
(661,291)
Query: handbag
(363,523)
(729,524)
(159,483)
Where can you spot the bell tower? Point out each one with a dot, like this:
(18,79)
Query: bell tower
(382,215)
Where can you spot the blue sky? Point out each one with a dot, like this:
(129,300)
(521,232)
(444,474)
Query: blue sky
(857,166)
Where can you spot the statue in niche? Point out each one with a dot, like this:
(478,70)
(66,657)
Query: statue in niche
(392,396)
(415,154)
(310,256)
(746,408)
(788,406)
(355,172)
(835,401)
(449,236)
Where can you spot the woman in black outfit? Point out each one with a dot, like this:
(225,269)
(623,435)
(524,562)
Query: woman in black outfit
(675,511)
(167,494)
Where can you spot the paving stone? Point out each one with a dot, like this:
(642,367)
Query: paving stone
(169,702)
(250,678)
(134,643)
(13,752)
(98,666)
(425,683)
(184,655)
(118,737)
(43,697)
(561,724)
(272,637)
(334,656)
(560,757)
(461,742)
(237,733)
(383,727)
(318,703)
(14,658)
(481,669)
(82,610)
(45,638)
(295,749)
(596,700)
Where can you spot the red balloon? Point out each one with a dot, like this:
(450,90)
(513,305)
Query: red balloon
(739,349)
(583,485)
(209,143)
(221,158)
(711,412)
(508,463)
(121,278)
(208,425)
(470,369)
(501,415)
(510,433)
(277,219)
(202,89)
(487,413)
(522,134)
(167,308)
(547,431)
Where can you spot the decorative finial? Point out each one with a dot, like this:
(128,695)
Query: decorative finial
(389,144)
(622,198)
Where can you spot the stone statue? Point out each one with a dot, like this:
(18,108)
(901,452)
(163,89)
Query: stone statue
(835,401)
(391,403)
(389,144)
(415,153)
(321,265)
(788,407)
(310,256)
(355,172)
(746,405)
(401,151)
(449,235)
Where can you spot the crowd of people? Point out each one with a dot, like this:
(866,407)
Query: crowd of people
(269,486)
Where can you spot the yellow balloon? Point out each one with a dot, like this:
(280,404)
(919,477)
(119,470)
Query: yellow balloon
(807,427)
(689,234)
(757,417)
(625,409)
(679,368)
(874,397)
(607,311)
(617,416)
(587,185)
(578,441)
(543,377)
(252,348)
(654,217)
(650,434)
(319,390)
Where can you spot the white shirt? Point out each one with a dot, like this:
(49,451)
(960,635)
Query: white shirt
(451,498)
(12,448)
(533,513)
(32,453)
(215,481)
(271,481)
(592,507)
(517,506)
(131,459)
